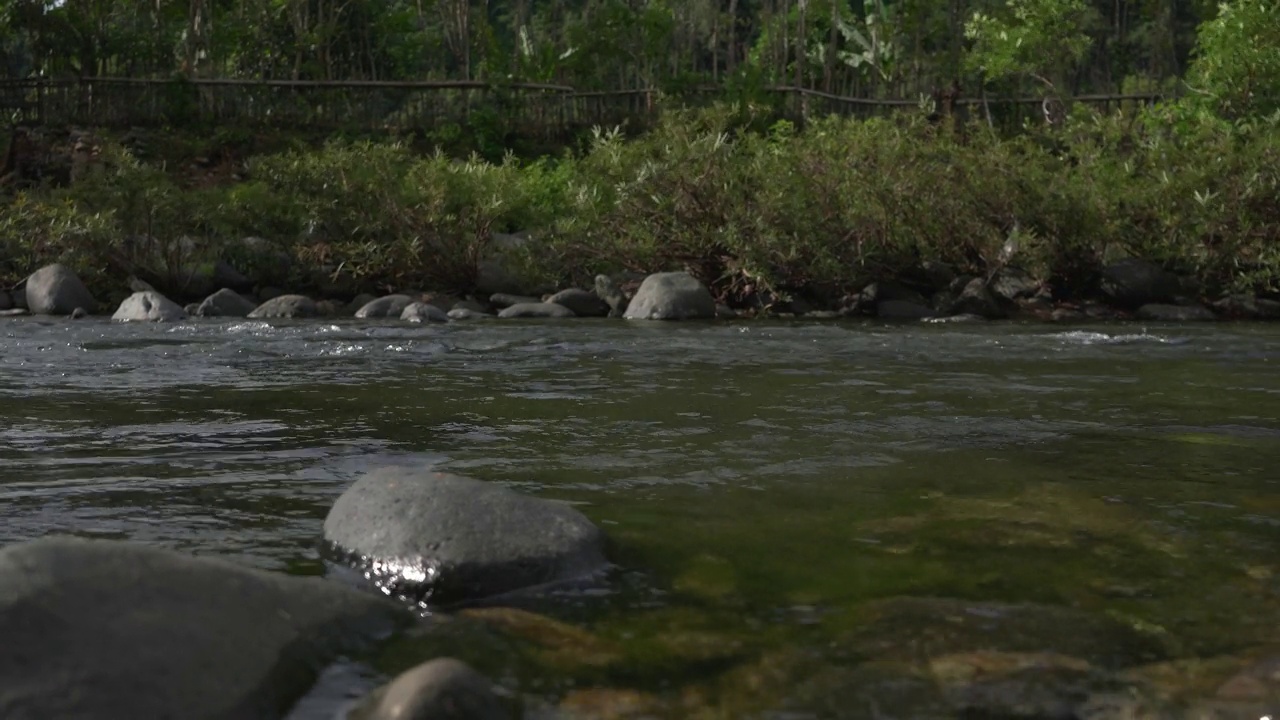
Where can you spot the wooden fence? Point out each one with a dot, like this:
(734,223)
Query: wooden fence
(528,108)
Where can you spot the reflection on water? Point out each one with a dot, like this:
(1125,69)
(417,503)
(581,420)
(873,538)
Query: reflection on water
(751,476)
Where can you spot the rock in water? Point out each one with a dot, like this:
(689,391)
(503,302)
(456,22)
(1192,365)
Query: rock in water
(56,290)
(225,303)
(109,629)
(582,302)
(149,306)
(449,538)
(536,310)
(389,306)
(439,689)
(420,312)
(285,306)
(671,296)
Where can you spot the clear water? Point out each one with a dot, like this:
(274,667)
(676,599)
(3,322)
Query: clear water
(760,481)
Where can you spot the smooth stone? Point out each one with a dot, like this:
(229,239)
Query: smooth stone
(506,300)
(383,307)
(472,305)
(13,312)
(1248,307)
(671,296)
(79,313)
(536,310)
(111,629)
(608,291)
(285,306)
(976,299)
(962,318)
(329,308)
(461,313)
(149,306)
(225,303)
(1133,282)
(56,290)
(423,312)
(1012,284)
(1159,312)
(880,292)
(583,303)
(439,689)
(451,538)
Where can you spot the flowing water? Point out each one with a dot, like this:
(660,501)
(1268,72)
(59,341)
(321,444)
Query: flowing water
(760,482)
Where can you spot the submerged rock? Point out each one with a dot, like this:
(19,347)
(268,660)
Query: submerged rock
(671,296)
(97,628)
(506,300)
(439,689)
(285,306)
(149,306)
(582,302)
(383,307)
(449,538)
(461,313)
(420,312)
(56,290)
(921,629)
(536,310)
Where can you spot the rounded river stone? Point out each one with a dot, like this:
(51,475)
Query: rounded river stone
(453,538)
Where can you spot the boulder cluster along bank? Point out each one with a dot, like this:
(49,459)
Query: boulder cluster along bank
(1131,289)
(112,629)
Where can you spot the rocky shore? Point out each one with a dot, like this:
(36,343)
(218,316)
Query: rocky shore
(1130,289)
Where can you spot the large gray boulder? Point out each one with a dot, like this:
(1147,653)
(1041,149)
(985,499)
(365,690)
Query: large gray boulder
(109,629)
(583,303)
(421,312)
(536,310)
(671,296)
(149,306)
(285,306)
(1132,283)
(430,534)
(439,689)
(225,303)
(390,306)
(56,290)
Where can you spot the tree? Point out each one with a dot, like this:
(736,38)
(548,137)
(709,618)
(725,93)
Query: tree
(1039,39)
(1237,59)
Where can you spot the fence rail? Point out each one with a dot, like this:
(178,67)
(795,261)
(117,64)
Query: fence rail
(535,109)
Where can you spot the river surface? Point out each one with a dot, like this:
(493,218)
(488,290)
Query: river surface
(759,481)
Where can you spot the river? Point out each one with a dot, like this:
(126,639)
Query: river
(759,481)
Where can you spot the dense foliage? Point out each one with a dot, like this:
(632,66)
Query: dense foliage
(817,212)
(862,47)
(742,199)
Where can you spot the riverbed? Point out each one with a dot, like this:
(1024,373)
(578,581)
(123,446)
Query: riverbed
(761,483)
